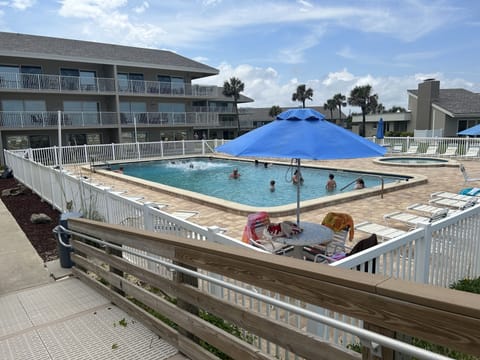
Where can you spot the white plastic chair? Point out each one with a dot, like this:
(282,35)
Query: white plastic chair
(383,232)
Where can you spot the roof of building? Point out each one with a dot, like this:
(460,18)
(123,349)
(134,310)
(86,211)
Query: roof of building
(456,101)
(42,47)
(261,114)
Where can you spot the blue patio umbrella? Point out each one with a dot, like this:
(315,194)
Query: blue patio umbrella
(301,134)
(380,129)
(473,131)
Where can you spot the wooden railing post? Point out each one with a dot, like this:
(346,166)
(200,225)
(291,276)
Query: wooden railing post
(386,353)
(192,281)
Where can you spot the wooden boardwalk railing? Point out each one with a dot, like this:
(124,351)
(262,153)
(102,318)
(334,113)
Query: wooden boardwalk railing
(440,316)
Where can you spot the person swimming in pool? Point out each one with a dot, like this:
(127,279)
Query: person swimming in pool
(235,174)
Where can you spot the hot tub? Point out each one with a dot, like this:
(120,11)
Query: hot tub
(412,161)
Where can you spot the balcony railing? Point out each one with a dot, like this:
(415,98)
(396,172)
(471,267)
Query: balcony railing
(166,88)
(14,81)
(43,119)
(43,82)
(171,118)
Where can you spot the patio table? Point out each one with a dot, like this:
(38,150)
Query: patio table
(312,233)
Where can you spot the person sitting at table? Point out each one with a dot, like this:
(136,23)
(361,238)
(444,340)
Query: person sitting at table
(235,174)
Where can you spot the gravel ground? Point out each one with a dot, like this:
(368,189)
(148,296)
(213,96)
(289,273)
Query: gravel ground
(22,207)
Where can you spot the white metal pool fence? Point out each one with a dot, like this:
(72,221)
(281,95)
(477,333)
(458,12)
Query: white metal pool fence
(464,148)
(437,254)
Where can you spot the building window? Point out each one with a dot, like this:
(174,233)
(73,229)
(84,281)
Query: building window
(84,139)
(129,136)
(131,111)
(131,82)
(81,113)
(9,76)
(17,142)
(88,80)
(39,141)
(171,85)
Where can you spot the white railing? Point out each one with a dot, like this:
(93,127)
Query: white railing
(403,145)
(438,254)
(105,153)
(171,118)
(45,119)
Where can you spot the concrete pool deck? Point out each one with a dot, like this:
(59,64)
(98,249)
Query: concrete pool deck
(370,208)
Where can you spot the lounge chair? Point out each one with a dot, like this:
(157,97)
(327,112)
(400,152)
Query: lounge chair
(431,150)
(412,149)
(472,151)
(184,214)
(426,209)
(457,204)
(382,231)
(467,177)
(451,150)
(397,148)
(451,195)
(414,220)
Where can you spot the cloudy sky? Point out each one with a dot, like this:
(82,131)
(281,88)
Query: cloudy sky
(275,45)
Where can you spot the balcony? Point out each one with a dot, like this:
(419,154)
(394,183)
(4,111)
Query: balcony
(55,83)
(78,84)
(171,119)
(140,87)
(49,119)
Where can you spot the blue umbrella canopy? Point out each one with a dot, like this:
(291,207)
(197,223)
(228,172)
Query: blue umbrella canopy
(380,129)
(301,134)
(473,131)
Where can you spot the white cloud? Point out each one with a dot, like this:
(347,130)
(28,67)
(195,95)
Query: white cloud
(265,87)
(21,4)
(141,9)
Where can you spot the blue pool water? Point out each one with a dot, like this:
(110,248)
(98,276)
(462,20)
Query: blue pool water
(211,177)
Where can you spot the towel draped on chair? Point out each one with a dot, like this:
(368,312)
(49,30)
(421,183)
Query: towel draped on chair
(338,222)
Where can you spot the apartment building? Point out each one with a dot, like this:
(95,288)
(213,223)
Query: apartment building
(106,94)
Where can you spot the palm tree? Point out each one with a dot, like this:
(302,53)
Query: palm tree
(302,94)
(360,96)
(330,105)
(340,101)
(233,88)
(274,111)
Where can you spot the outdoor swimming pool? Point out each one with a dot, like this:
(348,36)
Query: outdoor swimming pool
(210,176)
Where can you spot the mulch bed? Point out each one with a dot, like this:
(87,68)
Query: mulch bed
(22,207)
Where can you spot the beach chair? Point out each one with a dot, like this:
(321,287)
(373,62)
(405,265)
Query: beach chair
(412,149)
(413,220)
(457,204)
(397,148)
(360,246)
(184,214)
(451,195)
(253,234)
(382,231)
(342,226)
(427,209)
(467,177)
(431,150)
(472,151)
(451,150)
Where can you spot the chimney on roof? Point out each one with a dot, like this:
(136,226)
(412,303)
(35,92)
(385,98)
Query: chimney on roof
(430,89)
(428,92)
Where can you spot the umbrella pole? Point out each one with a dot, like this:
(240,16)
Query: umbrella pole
(298,192)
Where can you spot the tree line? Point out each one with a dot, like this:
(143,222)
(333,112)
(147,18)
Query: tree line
(360,96)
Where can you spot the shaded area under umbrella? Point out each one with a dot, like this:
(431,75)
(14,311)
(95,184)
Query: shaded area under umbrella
(301,134)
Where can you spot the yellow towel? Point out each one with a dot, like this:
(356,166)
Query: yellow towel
(339,221)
